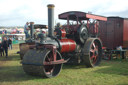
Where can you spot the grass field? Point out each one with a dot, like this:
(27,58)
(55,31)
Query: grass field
(107,73)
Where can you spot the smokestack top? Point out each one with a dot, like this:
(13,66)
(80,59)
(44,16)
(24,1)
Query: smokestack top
(50,5)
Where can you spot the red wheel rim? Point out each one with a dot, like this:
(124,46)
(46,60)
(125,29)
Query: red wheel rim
(94,52)
(49,68)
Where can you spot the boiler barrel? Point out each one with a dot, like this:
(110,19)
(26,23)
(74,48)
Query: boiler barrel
(67,45)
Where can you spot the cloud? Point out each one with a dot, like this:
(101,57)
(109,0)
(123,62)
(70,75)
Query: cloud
(17,12)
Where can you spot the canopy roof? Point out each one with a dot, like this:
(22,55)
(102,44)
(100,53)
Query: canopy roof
(81,16)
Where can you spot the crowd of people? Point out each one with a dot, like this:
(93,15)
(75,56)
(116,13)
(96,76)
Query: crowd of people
(4,45)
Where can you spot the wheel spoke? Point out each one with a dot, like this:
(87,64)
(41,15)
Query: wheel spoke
(92,56)
(96,48)
(49,68)
(47,58)
(94,45)
(92,50)
(95,59)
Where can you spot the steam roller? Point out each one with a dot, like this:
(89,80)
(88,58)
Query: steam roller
(44,56)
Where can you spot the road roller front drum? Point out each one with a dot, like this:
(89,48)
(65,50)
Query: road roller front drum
(34,63)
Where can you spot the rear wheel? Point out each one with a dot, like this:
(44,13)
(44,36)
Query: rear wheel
(92,52)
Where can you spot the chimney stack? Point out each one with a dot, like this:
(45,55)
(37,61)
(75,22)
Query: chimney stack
(50,20)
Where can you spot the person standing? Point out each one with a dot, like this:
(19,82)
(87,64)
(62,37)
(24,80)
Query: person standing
(10,43)
(26,28)
(5,46)
(1,49)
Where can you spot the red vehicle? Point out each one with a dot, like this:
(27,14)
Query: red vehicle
(73,43)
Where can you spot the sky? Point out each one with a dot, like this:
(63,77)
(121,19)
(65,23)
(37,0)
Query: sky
(18,12)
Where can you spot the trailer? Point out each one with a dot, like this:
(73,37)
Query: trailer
(114,33)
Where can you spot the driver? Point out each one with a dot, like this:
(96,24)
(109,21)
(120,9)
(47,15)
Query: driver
(57,31)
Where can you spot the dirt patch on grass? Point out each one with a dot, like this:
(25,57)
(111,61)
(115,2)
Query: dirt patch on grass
(3,60)
(16,46)
(1,63)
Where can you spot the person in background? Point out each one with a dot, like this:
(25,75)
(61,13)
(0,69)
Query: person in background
(26,28)
(4,31)
(119,47)
(17,31)
(10,43)
(5,46)
(1,49)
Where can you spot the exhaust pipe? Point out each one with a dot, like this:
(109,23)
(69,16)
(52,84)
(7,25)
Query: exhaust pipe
(50,20)
(32,30)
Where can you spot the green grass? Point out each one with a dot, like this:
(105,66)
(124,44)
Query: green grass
(107,73)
